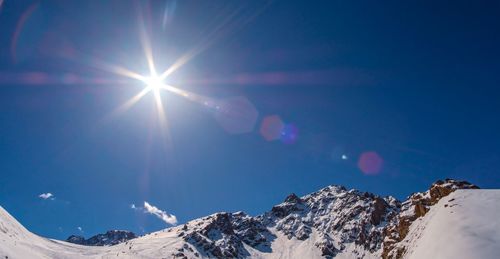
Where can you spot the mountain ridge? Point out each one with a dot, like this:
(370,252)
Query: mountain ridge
(331,222)
(111,237)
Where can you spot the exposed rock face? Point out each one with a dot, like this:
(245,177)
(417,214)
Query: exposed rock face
(222,235)
(340,216)
(79,240)
(252,231)
(110,238)
(338,220)
(416,206)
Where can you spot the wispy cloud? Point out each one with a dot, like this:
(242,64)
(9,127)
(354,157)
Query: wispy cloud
(168,218)
(47,196)
(153,210)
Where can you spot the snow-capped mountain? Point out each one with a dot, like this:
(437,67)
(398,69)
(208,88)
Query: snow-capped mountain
(331,223)
(109,238)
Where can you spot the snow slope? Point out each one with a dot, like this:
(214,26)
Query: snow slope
(17,242)
(333,222)
(464,224)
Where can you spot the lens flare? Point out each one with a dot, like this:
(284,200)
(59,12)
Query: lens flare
(154,83)
(236,115)
(272,128)
(370,163)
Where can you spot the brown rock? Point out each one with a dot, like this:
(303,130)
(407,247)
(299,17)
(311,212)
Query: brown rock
(420,203)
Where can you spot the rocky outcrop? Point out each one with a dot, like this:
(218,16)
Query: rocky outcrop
(338,215)
(223,235)
(109,238)
(338,219)
(79,240)
(416,206)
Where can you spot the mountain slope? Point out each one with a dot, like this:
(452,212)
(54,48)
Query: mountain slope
(17,242)
(332,222)
(464,225)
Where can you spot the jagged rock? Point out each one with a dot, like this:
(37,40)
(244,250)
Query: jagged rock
(416,206)
(379,209)
(251,230)
(339,218)
(79,240)
(351,216)
(109,238)
(293,198)
(216,236)
(220,223)
(327,246)
(441,188)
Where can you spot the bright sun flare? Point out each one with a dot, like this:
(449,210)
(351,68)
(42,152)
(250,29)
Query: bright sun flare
(154,83)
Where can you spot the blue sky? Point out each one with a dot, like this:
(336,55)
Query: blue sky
(385,98)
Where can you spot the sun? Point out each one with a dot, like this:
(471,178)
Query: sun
(154,83)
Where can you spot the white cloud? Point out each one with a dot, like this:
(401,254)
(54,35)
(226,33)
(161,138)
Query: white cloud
(153,210)
(168,218)
(163,215)
(46,196)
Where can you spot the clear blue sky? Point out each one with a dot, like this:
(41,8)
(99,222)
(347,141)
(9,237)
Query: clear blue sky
(414,82)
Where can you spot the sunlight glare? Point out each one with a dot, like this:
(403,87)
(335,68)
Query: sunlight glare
(154,83)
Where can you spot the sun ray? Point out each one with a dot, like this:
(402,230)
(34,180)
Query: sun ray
(200,99)
(154,82)
(210,39)
(130,102)
(162,119)
(146,46)
(145,42)
(95,62)
(125,106)
(124,72)
(159,108)
(227,26)
(118,70)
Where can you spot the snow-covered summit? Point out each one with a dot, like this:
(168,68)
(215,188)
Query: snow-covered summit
(332,222)
(339,217)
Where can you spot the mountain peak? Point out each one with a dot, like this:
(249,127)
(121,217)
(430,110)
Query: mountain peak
(327,223)
(293,198)
(111,237)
